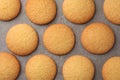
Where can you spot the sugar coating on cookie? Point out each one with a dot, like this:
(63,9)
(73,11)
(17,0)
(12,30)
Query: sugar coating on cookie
(22,39)
(40,67)
(9,66)
(59,39)
(78,67)
(111,69)
(9,9)
(97,38)
(41,11)
(112,10)
(78,11)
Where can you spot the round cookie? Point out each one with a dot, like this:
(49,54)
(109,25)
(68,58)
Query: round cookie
(112,10)
(9,66)
(78,67)
(97,38)
(59,39)
(40,67)
(41,11)
(78,11)
(111,69)
(22,39)
(9,9)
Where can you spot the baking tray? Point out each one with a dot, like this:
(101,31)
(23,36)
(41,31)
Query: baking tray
(98,60)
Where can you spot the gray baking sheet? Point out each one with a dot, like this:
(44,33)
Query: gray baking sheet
(98,60)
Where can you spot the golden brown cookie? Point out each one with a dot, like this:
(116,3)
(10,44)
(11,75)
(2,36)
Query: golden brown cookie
(9,9)
(97,38)
(111,69)
(59,39)
(41,11)
(9,66)
(40,67)
(78,67)
(78,11)
(112,10)
(22,39)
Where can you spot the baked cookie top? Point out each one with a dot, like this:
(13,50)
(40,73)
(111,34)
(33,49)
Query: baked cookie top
(9,9)
(22,39)
(112,10)
(111,69)
(59,39)
(78,67)
(41,11)
(9,66)
(97,38)
(78,11)
(40,67)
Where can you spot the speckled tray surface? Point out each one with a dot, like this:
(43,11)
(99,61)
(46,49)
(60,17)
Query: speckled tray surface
(98,60)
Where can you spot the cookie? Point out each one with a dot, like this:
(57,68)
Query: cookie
(97,38)
(111,69)
(59,39)
(78,67)
(41,11)
(40,67)
(9,66)
(9,9)
(78,11)
(22,39)
(112,10)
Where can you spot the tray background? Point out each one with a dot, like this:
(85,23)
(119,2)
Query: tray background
(98,60)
